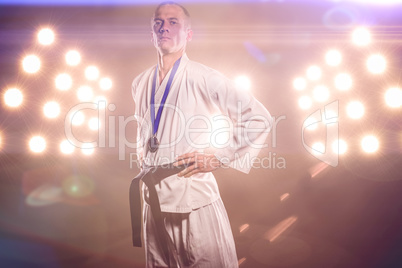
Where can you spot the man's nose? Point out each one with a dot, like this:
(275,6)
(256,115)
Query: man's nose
(164,28)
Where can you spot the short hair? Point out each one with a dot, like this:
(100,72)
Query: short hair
(185,11)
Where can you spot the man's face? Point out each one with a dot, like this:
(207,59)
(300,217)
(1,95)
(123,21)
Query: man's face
(170,32)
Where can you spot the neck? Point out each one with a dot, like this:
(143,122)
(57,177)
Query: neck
(166,62)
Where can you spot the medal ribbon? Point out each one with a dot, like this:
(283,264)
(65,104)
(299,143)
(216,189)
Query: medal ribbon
(155,121)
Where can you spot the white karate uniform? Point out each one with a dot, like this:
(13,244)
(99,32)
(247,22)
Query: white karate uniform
(198,95)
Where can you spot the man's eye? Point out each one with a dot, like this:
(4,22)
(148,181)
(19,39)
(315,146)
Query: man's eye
(157,23)
(173,22)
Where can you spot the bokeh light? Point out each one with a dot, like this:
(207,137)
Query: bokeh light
(73,58)
(339,147)
(92,73)
(64,81)
(46,36)
(376,64)
(333,57)
(318,148)
(13,97)
(105,83)
(370,144)
(311,123)
(305,102)
(321,93)
(77,119)
(299,83)
(343,81)
(87,148)
(31,64)
(51,109)
(66,147)
(361,36)
(85,93)
(314,73)
(94,123)
(37,144)
(393,97)
(243,83)
(355,109)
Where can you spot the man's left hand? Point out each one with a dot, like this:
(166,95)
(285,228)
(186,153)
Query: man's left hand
(197,163)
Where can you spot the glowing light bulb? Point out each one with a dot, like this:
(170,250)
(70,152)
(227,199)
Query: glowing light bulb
(31,64)
(13,97)
(46,36)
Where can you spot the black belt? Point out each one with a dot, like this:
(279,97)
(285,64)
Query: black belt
(150,176)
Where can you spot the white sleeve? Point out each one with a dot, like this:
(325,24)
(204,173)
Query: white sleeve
(250,120)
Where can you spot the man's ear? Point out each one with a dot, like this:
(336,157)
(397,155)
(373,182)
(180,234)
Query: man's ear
(189,35)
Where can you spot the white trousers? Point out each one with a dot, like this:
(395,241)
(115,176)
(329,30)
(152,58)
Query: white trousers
(202,238)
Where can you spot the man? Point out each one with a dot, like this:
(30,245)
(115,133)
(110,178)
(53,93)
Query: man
(176,101)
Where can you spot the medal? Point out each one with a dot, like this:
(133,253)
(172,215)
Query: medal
(153,143)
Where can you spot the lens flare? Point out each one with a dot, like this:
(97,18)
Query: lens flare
(13,97)
(318,148)
(31,64)
(393,97)
(46,36)
(92,73)
(370,144)
(64,81)
(355,109)
(105,83)
(37,144)
(321,93)
(243,83)
(73,58)
(343,82)
(339,147)
(85,93)
(314,73)
(333,57)
(66,147)
(51,109)
(361,36)
(376,64)
(305,102)
(299,83)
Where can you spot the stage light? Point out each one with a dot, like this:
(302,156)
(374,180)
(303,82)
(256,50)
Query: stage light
(85,93)
(77,118)
(314,73)
(376,64)
(37,144)
(355,109)
(31,64)
(321,93)
(311,123)
(361,36)
(73,58)
(243,83)
(51,109)
(105,83)
(393,97)
(305,102)
(333,57)
(92,73)
(46,36)
(66,147)
(63,81)
(318,148)
(330,116)
(87,149)
(13,97)
(343,81)
(339,147)
(299,83)
(94,123)
(370,144)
